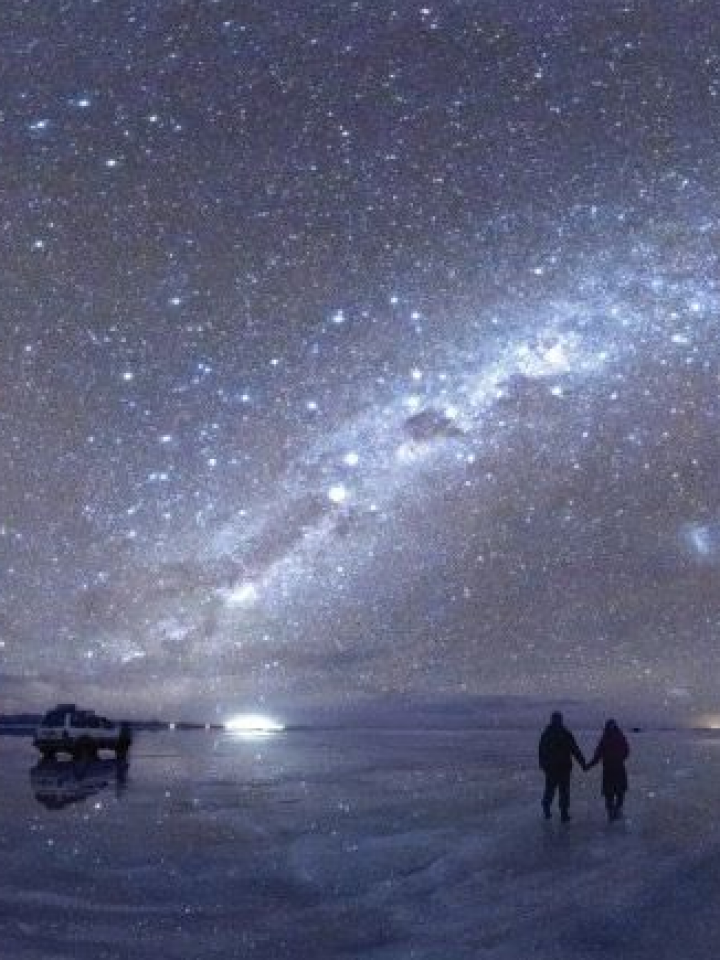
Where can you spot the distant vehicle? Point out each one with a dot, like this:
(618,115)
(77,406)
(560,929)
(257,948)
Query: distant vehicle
(80,733)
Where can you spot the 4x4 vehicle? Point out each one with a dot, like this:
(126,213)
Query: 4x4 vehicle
(80,733)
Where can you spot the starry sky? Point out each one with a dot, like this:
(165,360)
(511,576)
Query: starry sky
(359,349)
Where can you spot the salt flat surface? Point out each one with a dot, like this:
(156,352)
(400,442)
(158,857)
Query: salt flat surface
(375,844)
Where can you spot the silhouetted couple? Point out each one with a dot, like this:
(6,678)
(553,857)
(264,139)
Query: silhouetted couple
(557,751)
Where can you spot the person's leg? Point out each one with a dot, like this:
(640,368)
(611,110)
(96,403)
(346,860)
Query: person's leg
(564,791)
(619,799)
(548,795)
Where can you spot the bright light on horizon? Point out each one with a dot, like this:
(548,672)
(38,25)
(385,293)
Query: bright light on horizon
(709,720)
(253,723)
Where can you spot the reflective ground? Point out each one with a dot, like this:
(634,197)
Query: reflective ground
(344,844)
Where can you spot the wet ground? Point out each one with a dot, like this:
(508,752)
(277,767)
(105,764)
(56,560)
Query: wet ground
(337,844)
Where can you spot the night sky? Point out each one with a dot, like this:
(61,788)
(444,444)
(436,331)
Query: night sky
(355,350)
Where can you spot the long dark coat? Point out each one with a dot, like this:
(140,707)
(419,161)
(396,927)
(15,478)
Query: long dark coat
(612,751)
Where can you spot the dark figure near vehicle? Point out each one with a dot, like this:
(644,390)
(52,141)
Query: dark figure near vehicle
(124,742)
(556,753)
(612,751)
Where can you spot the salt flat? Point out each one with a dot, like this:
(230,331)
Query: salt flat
(386,845)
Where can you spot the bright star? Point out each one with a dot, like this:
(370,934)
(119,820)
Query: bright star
(338,493)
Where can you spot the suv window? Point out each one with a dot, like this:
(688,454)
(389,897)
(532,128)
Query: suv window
(55,718)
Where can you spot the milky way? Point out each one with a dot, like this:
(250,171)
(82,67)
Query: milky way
(355,350)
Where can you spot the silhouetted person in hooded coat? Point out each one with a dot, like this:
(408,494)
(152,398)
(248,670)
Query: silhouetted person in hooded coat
(555,753)
(612,751)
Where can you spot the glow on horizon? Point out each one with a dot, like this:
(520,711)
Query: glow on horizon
(711,721)
(253,723)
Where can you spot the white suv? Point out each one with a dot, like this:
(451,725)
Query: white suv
(80,733)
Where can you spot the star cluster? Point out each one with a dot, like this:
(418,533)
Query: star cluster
(356,349)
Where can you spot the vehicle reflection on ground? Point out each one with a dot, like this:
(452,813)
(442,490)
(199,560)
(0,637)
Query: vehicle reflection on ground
(58,783)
